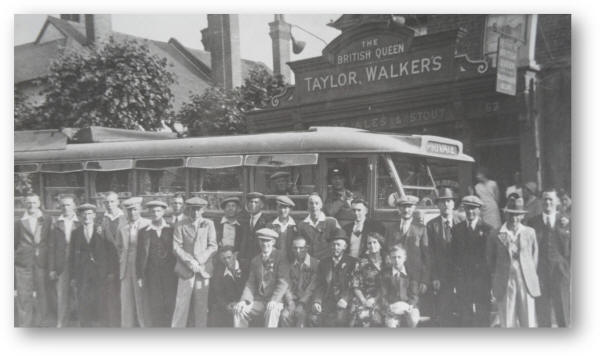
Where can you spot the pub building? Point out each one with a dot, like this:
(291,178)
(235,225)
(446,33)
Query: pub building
(438,75)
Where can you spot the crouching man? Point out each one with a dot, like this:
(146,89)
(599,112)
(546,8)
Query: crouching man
(266,285)
(226,286)
(400,292)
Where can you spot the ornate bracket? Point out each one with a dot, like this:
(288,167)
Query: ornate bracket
(284,95)
(464,64)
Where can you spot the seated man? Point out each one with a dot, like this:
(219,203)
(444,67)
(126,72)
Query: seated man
(226,286)
(266,285)
(400,292)
(303,280)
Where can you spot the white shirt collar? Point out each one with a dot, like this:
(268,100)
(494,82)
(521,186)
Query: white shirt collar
(64,218)
(228,272)
(291,222)
(450,220)
(504,229)
(306,261)
(321,217)
(224,220)
(159,228)
(402,270)
(38,213)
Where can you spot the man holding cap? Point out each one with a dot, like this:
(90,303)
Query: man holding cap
(513,255)
(333,293)
(132,310)
(195,243)
(284,225)
(91,262)
(439,231)
(267,283)
(154,267)
(413,236)
(472,273)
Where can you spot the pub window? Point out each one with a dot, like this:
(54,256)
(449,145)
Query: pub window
(109,175)
(415,176)
(62,179)
(294,175)
(160,179)
(215,178)
(27,180)
(350,183)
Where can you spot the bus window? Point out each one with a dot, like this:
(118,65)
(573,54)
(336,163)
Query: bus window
(109,175)
(296,182)
(347,180)
(415,177)
(160,178)
(27,181)
(57,185)
(214,185)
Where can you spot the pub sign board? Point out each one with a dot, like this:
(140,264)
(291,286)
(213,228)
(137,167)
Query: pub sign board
(506,77)
(374,58)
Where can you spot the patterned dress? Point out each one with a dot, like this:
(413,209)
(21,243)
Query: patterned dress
(367,278)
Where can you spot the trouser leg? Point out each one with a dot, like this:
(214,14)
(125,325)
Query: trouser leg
(128,304)
(272,316)
(25,296)
(507,304)
(543,307)
(200,298)
(185,289)
(63,299)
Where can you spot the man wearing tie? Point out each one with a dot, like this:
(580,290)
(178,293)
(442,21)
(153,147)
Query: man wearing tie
(413,236)
(554,241)
(194,244)
(31,235)
(178,208)
(471,271)
(255,221)
(59,243)
(132,303)
(442,299)
(360,228)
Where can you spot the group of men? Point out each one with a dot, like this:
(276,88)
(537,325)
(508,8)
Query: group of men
(244,269)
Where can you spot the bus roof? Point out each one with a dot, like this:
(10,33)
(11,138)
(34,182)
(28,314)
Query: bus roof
(313,140)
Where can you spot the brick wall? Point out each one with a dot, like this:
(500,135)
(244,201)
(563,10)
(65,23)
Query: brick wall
(472,43)
(553,42)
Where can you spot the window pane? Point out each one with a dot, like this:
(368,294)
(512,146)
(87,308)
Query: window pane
(282,160)
(103,182)
(295,182)
(159,164)
(214,185)
(58,184)
(62,167)
(24,184)
(159,184)
(110,165)
(26,168)
(348,184)
(414,177)
(214,162)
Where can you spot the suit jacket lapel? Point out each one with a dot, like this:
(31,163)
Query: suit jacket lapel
(28,234)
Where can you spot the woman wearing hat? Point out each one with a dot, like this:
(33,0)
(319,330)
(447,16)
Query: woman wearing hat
(513,257)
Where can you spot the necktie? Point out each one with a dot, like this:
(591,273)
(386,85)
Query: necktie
(447,231)
(548,224)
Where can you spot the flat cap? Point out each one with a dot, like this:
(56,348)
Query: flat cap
(196,201)
(154,203)
(338,234)
(336,172)
(133,201)
(253,195)
(407,200)
(230,199)
(471,200)
(267,234)
(284,200)
(279,174)
(86,206)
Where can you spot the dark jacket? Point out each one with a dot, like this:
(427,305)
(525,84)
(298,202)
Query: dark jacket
(317,236)
(57,246)
(267,282)
(239,234)
(333,282)
(369,226)
(554,246)
(93,260)
(418,252)
(143,249)
(398,289)
(250,246)
(27,252)
(442,265)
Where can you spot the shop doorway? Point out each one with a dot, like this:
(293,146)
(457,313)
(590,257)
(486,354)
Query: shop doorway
(502,159)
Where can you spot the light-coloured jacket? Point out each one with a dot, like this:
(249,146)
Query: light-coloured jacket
(190,245)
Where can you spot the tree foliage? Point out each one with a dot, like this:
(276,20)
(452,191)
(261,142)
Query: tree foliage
(26,117)
(219,111)
(118,84)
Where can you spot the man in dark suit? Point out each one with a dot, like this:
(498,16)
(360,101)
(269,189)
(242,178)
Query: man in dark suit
(31,264)
(177,209)
(229,229)
(267,283)
(333,293)
(58,259)
(92,259)
(554,240)
(226,286)
(470,268)
(413,236)
(442,299)
(155,264)
(252,222)
(358,230)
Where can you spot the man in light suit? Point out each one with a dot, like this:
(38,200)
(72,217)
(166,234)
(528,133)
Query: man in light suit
(552,230)
(194,244)
(267,284)
(31,264)
(132,303)
(413,236)
(513,256)
(59,243)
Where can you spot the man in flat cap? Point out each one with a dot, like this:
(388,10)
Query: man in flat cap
(228,228)
(333,293)
(92,259)
(471,271)
(284,225)
(31,264)
(362,226)
(553,234)
(280,181)
(59,242)
(303,281)
(254,221)
(155,264)
(177,210)
(267,283)
(512,253)
(441,298)
(413,236)
(195,243)
(317,228)
(132,301)
(338,200)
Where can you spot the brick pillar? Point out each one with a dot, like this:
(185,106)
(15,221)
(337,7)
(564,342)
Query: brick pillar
(280,32)
(224,46)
